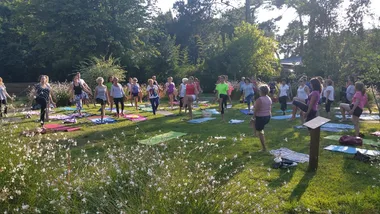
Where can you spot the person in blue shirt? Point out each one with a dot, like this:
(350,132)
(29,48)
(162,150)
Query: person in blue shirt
(241,88)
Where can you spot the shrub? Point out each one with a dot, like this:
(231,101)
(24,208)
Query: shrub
(100,67)
(60,91)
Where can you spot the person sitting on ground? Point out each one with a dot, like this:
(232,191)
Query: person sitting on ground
(303,92)
(359,100)
(262,114)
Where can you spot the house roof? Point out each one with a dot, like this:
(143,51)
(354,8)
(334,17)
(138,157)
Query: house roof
(296,60)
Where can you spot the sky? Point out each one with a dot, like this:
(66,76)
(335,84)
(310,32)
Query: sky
(288,14)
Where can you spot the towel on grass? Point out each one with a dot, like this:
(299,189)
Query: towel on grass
(290,155)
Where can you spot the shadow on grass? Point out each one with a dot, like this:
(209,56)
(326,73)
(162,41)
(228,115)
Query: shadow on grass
(302,185)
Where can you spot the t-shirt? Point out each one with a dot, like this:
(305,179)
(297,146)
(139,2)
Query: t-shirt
(182,92)
(284,90)
(190,89)
(248,89)
(301,93)
(241,84)
(109,85)
(43,93)
(152,91)
(222,88)
(331,96)
(350,91)
(117,91)
(101,92)
(2,92)
(362,99)
(317,96)
(135,88)
(170,87)
(263,106)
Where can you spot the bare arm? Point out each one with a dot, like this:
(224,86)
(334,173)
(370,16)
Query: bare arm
(307,90)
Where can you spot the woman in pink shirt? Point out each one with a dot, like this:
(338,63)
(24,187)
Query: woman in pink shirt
(356,108)
(262,114)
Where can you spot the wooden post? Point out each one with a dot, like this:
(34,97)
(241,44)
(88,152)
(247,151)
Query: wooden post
(315,133)
(314,148)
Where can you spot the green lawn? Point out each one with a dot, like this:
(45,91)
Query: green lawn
(103,169)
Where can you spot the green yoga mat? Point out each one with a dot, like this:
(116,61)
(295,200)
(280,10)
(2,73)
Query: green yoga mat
(161,138)
(148,109)
(365,141)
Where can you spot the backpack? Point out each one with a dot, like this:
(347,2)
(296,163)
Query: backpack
(351,141)
(135,89)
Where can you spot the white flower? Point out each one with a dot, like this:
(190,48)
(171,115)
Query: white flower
(25,206)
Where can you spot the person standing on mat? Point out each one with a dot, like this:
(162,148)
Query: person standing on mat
(230,89)
(283,95)
(222,89)
(135,91)
(170,88)
(109,87)
(118,94)
(303,92)
(191,95)
(43,97)
(310,109)
(182,94)
(86,88)
(241,89)
(102,96)
(78,93)
(359,100)
(249,93)
(350,90)
(3,99)
(153,95)
(262,114)
(329,94)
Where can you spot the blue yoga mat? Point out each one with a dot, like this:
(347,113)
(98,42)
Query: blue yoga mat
(67,109)
(246,112)
(365,117)
(105,120)
(323,129)
(338,126)
(351,150)
(201,120)
(283,117)
(288,111)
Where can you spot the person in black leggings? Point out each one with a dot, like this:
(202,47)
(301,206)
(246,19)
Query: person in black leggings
(43,97)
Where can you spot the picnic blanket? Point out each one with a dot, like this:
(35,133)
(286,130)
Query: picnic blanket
(97,120)
(135,117)
(283,117)
(162,138)
(246,112)
(235,121)
(364,117)
(201,120)
(165,113)
(61,128)
(351,150)
(365,141)
(290,155)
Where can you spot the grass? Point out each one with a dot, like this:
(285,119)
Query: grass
(103,169)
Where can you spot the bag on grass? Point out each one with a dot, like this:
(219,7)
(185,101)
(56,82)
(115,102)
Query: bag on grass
(362,157)
(350,141)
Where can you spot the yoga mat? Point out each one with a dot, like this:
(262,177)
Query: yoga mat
(165,113)
(376,133)
(61,128)
(147,109)
(67,109)
(97,120)
(135,117)
(336,130)
(246,112)
(290,155)
(287,111)
(213,111)
(351,150)
(11,119)
(174,108)
(59,117)
(365,141)
(161,138)
(338,126)
(129,105)
(365,117)
(31,112)
(201,120)
(283,117)
(236,121)
(229,106)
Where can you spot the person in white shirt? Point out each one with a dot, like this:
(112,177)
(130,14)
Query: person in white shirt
(182,94)
(3,99)
(329,94)
(303,92)
(118,94)
(283,95)
(153,95)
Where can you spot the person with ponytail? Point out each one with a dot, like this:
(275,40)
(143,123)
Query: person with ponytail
(43,97)
(3,99)
(359,100)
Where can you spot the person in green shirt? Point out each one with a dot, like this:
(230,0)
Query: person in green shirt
(109,85)
(222,89)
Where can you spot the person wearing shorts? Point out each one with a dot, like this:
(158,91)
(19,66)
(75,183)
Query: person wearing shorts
(359,100)
(101,95)
(310,109)
(182,94)
(170,88)
(249,93)
(329,94)
(222,89)
(303,92)
(191,92)
(261,114)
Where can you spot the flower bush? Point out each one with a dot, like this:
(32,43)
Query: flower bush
(60,92)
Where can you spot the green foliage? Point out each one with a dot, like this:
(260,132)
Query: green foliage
(101,67)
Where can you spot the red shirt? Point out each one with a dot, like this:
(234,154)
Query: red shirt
(190,89)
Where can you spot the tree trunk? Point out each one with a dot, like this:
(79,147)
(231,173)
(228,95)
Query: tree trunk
(248,11)
(302,34)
